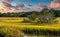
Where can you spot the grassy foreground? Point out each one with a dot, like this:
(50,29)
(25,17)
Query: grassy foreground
(13,27)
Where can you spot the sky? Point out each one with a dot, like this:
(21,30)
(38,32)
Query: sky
(32,2)
(28,5)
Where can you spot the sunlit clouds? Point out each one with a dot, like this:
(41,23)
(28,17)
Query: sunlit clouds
(27,5)
(55,4)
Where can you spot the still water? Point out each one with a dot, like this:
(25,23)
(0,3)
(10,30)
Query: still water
(40,36)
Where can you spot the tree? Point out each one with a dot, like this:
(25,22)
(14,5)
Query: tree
(32,17)
(46,16)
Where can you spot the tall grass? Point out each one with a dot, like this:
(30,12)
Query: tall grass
(18,32)
(11,28)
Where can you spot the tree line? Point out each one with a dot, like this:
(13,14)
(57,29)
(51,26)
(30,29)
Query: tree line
(24,14)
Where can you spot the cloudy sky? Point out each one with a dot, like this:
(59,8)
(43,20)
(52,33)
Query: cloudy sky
(32,2)
(27,5)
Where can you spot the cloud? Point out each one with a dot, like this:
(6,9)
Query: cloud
(8,1)
(7,7)
(55,4)
(29,5)
(28,0)
(20,5)
(6,4)
(39,7)
(57,1)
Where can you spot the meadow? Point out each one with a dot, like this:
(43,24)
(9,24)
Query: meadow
(13,27)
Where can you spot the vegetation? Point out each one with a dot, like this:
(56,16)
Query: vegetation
(24,14)
(12,25)
(44,16)
(41,32)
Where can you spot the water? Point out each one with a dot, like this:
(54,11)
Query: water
(40,36)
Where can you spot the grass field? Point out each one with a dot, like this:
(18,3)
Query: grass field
(12,25)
